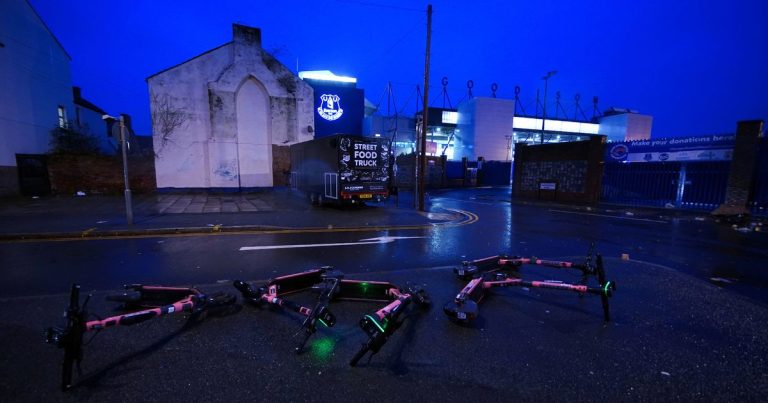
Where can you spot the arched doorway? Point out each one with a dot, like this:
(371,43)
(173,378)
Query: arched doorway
(254,142)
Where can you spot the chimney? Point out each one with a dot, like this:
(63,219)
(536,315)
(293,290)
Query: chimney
(245,35)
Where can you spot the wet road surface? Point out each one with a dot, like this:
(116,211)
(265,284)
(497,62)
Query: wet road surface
(674,336)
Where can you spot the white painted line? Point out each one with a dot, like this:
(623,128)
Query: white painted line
(368,241)
(610,216)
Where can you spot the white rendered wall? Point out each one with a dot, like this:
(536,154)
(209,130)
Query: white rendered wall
(36,77)
(493,122)
(224,92)
(464,138)
(639,127)
(626,127)
(183,160)
(484,124)
(614,127)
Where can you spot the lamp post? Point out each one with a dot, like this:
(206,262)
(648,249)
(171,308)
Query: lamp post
(544,119)
(127,192)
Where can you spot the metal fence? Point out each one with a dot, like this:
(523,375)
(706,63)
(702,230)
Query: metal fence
(474,173)
(687,185)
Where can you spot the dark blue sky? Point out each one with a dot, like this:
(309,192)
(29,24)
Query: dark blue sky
(696,66)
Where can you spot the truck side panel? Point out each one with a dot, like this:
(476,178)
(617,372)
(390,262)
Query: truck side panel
(361,166)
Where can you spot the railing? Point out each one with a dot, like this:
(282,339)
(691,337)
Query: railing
(686,185)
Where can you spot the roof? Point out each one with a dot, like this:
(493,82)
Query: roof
(79,100)
(188,60)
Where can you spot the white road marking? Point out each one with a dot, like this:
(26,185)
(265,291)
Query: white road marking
(367,241)
(610,216)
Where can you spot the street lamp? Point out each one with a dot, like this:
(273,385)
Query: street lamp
(544,119)
(123,142)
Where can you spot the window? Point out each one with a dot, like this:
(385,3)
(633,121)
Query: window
(62,117)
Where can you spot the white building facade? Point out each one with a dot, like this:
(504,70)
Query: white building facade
(485,129)
(36,77)
(239,106)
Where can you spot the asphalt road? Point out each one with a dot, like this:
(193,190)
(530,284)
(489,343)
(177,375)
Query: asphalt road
(675,334)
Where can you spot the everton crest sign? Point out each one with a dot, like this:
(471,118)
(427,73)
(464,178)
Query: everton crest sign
(330,109)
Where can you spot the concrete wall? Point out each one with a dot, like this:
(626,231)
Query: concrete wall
(239,101)
(483,126)
(575,169)
(36,76)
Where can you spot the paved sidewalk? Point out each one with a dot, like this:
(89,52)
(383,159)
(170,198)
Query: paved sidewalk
(205,203)
(157,214)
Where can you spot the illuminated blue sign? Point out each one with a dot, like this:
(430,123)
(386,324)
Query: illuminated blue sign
(330,109)
(338,108)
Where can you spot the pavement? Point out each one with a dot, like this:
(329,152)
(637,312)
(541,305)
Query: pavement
(104,216)
(96,216)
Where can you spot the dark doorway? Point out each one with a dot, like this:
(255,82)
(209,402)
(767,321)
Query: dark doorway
(33,174)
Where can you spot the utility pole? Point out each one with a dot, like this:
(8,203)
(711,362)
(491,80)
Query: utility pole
(425,112)
(126,182)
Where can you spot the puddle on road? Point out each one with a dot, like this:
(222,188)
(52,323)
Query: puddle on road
(441,216)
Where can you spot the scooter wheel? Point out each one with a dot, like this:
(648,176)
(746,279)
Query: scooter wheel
(462,313)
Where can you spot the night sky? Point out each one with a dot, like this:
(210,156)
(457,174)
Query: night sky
(696,66)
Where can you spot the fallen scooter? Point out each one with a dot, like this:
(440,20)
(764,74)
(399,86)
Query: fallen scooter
(502,271)
(378,326)
(145,302)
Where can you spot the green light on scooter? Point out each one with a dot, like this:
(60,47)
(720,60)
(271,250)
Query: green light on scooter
(375,322)
(606,288)
(364,287)
(323,322)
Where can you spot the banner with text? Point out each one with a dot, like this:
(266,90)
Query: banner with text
(699,148)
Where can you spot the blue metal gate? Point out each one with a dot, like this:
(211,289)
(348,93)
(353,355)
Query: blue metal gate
(699,185)
(705,184)
(495,173)
(454,170)
(642,184)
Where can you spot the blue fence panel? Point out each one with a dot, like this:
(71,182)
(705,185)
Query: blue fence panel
(645,184)
(454,170)
(658,184)
(496,173)
(705,184)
